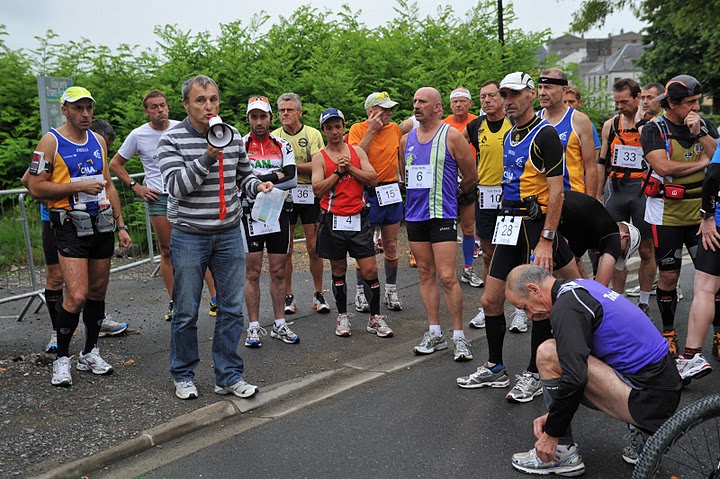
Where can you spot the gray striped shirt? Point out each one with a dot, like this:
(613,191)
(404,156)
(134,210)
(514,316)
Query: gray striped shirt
(192,180)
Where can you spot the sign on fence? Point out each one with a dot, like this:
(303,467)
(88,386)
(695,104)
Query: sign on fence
(49,90)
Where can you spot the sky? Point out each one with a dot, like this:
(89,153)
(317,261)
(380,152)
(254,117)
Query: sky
(112,22)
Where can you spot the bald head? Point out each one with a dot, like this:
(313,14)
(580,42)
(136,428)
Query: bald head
(427,106)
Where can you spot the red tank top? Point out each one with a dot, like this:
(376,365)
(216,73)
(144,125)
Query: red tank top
(347,197)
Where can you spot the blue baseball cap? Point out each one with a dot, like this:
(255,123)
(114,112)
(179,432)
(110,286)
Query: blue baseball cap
(331,113)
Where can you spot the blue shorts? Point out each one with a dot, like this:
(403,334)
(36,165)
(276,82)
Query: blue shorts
(159,207)
(384,215)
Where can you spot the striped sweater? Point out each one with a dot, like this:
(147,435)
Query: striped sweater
(191,178)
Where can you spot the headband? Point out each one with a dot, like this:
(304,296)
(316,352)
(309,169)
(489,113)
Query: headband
(552,81)
(460,94)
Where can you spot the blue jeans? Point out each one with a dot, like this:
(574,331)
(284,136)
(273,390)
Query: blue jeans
(191,254)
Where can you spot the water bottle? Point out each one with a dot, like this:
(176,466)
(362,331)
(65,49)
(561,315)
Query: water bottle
(105,223)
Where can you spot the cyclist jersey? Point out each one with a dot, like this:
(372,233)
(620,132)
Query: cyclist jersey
(76,161)
(384,148)
(305,144)
(347,196)
(531,153)
(574,170)
(439,199)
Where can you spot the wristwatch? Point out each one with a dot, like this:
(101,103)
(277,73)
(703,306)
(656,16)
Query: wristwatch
(123,227)
(548,234)
(706,215)
(131,184)
(337,172)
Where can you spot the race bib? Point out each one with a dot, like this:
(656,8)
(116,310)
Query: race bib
(86,198)
(628,157)
(388,194)
(257,228)
(303,195)
(346,223)
(489,197)
(419,176)
(507,230)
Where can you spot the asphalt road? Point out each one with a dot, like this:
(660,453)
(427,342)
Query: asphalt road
(410,422)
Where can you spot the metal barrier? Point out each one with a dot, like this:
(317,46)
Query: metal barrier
(18,269)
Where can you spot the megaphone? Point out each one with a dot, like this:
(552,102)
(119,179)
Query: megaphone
(219,135)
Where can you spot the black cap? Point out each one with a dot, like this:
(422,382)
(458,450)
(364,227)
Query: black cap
(681,86)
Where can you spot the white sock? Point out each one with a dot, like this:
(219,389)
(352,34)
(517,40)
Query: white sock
(279,322)
(390,286)
(435,329)
(254,324)
(644,297)
(458,333)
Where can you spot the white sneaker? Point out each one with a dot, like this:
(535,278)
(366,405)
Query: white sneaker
(519,322)
(469,276)
(479,320)
(361,304)
(342,327)
(695,367)
(61,372)
(240,389)
(462,350)
(52,344)
(185,389)
(112,328)
(93,362)
(392,300)
(634,292)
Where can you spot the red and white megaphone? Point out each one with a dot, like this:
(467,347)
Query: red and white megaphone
(219,135)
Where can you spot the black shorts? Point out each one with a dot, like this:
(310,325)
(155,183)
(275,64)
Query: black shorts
(505,257)
(708,261)
(609,244)
(669,241)
(49,244)
(649,407)
(485,221)
(336,245)
(625,204)
(432,231)
(274,243)
(308,214)
(95,246)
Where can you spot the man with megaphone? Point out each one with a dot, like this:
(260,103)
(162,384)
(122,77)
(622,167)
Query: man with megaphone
(204,211)
(272,159)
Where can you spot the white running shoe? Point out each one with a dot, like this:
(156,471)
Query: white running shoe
(112,328)
(519,322)
(52,344)
(240,389)
(185,389)
(392,300)
(93,362)
(61,372)
(361,304)
(479,320)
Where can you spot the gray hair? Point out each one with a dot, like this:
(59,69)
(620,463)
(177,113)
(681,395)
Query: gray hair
(290,97)
(104,129)
(201,80)
(521,276)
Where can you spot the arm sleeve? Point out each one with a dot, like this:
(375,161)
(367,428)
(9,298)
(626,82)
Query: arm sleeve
(547,152)
(289,179)
(572,318)
(711,184)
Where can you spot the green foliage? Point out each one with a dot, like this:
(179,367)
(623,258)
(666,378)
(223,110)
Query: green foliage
(330,58)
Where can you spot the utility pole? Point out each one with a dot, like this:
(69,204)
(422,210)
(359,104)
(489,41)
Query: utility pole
(501,33)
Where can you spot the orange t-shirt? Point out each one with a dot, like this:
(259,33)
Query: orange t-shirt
(384,148)
(461,127)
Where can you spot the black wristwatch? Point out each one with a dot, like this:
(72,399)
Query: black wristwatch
(337,172)
(131,184)
(706,215)
(548,234)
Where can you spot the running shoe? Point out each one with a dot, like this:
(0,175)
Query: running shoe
(431,343)
(213,306)
(185,389)
(478,321)
(378,246)
(284,333)
(61,372)
(52,344)
(376,324)
(112,328)
(645,308)
(361,304)
(170,311)
(290,306)
(462,350)
(716,346)
(519,323)
(525,389)
(693,368)
(93,362)
(679,293)
(483,378)
(634,292)
(392,300)
(631,453)
(672,339)
(240,389)
(342,327)
(252,337)
(569,463)
(411,259)
(478,251)
(469,276)
(319,303)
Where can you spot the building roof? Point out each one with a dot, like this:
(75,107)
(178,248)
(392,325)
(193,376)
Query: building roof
(621,61)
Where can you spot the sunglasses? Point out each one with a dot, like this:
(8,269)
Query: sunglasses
(258,98)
